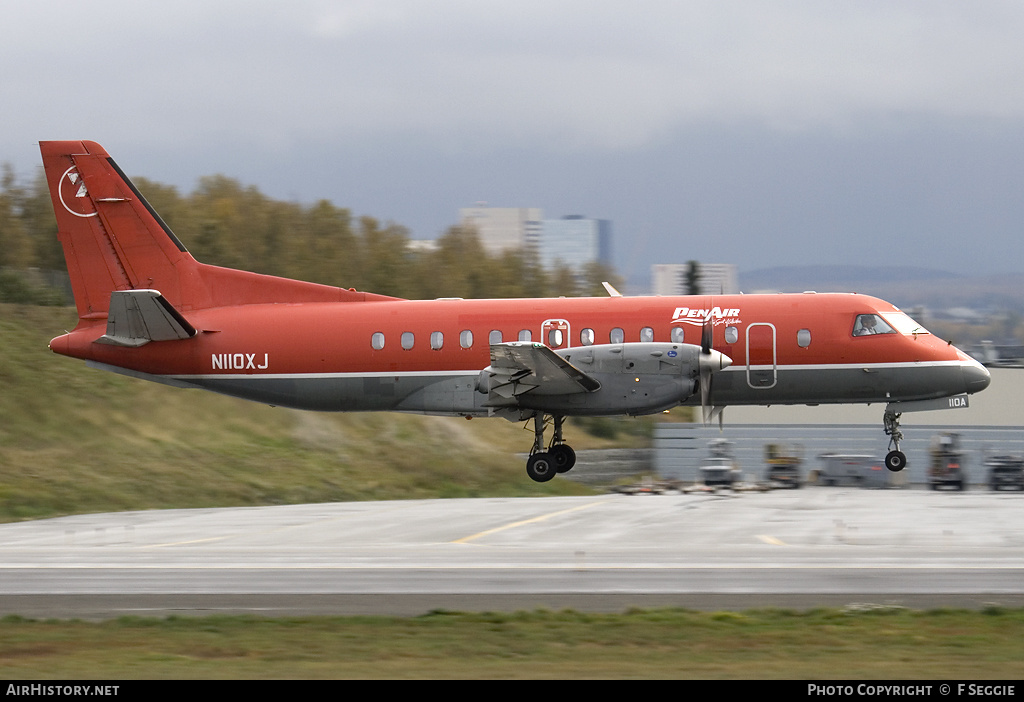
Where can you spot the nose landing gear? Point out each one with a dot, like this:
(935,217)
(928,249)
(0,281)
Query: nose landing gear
(895,460)
(543,465)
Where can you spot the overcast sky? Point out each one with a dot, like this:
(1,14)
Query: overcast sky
(757,133)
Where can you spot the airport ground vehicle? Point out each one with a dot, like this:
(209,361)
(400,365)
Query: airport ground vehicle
(783,464)
(1005,471)
(720,468)
(850,469)
(946,462)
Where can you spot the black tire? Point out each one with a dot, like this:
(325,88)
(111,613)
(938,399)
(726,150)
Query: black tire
(564,457)
(895,461)
(541,467)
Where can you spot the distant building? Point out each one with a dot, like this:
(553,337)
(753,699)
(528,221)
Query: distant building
(575,241)
(713,278)
(503,228)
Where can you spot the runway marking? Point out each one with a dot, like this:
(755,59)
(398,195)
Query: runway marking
(771,540)
(497,566)
(185,543)
(513,525)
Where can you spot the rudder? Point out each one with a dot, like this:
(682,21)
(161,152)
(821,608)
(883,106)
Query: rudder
(112,238)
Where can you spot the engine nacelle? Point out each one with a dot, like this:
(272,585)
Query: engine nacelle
(645,358)
(636,378)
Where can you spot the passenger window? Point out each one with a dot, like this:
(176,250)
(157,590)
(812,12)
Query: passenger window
(436,340)
(870,324)
(525,335)
(803,338)
(466,339)
(616,336)
(732,335)
(494,337)
(377,341)
(408,340)
(587,337)
(647,335)
(678,336)
(554,338)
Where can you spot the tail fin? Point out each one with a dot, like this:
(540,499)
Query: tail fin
(113,240)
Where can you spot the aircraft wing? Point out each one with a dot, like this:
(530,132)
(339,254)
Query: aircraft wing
(137,317)
(520,367)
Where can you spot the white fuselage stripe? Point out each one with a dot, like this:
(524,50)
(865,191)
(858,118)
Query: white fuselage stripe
(452,373)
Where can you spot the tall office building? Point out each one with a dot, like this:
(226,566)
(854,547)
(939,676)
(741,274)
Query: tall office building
(575,241)
(503,228)
(712,278)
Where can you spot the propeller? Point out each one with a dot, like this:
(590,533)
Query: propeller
(710,362)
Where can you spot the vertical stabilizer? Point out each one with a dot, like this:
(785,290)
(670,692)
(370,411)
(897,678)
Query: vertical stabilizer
(112,238)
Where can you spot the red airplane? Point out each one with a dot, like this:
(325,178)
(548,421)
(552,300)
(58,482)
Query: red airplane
(148,309)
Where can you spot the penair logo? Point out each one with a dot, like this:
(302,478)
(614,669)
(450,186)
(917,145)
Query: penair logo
(696,317)
(239,361)
(73,194)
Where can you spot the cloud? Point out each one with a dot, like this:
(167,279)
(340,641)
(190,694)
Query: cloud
(568,75)
(695,125)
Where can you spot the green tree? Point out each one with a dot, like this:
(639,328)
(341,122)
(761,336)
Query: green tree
(15,246)
(35,210)
(327,248)
(563,281)
(595,275)
(388,263)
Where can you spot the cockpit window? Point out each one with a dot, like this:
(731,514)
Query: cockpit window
(903,324)
(869,324)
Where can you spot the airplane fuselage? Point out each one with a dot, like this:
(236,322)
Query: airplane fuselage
(427,356)
(148,309)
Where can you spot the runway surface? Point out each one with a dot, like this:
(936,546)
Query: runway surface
(799,548)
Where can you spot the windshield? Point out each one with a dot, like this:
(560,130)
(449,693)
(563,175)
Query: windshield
(903,324)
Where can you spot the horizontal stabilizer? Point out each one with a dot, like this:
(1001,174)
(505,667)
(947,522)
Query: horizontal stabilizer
(137,317)
(520,367)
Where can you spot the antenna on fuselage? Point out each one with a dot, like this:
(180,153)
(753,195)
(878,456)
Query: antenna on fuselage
(612,292)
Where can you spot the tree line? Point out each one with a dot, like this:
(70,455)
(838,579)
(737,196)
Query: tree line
(225,223)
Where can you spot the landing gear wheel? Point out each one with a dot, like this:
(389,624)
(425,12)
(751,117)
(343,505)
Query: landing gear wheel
(563,456)
(541,467)
(895,461)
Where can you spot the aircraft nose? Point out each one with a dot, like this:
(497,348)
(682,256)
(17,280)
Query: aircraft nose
(976,376)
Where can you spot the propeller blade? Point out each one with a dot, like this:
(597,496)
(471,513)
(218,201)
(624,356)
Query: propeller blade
(710,363)
(705,393)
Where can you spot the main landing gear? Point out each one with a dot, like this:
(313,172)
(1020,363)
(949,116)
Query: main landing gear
(895,460)
(543,465)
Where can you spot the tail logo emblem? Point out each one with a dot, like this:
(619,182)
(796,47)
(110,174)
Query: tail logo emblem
(74,196)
